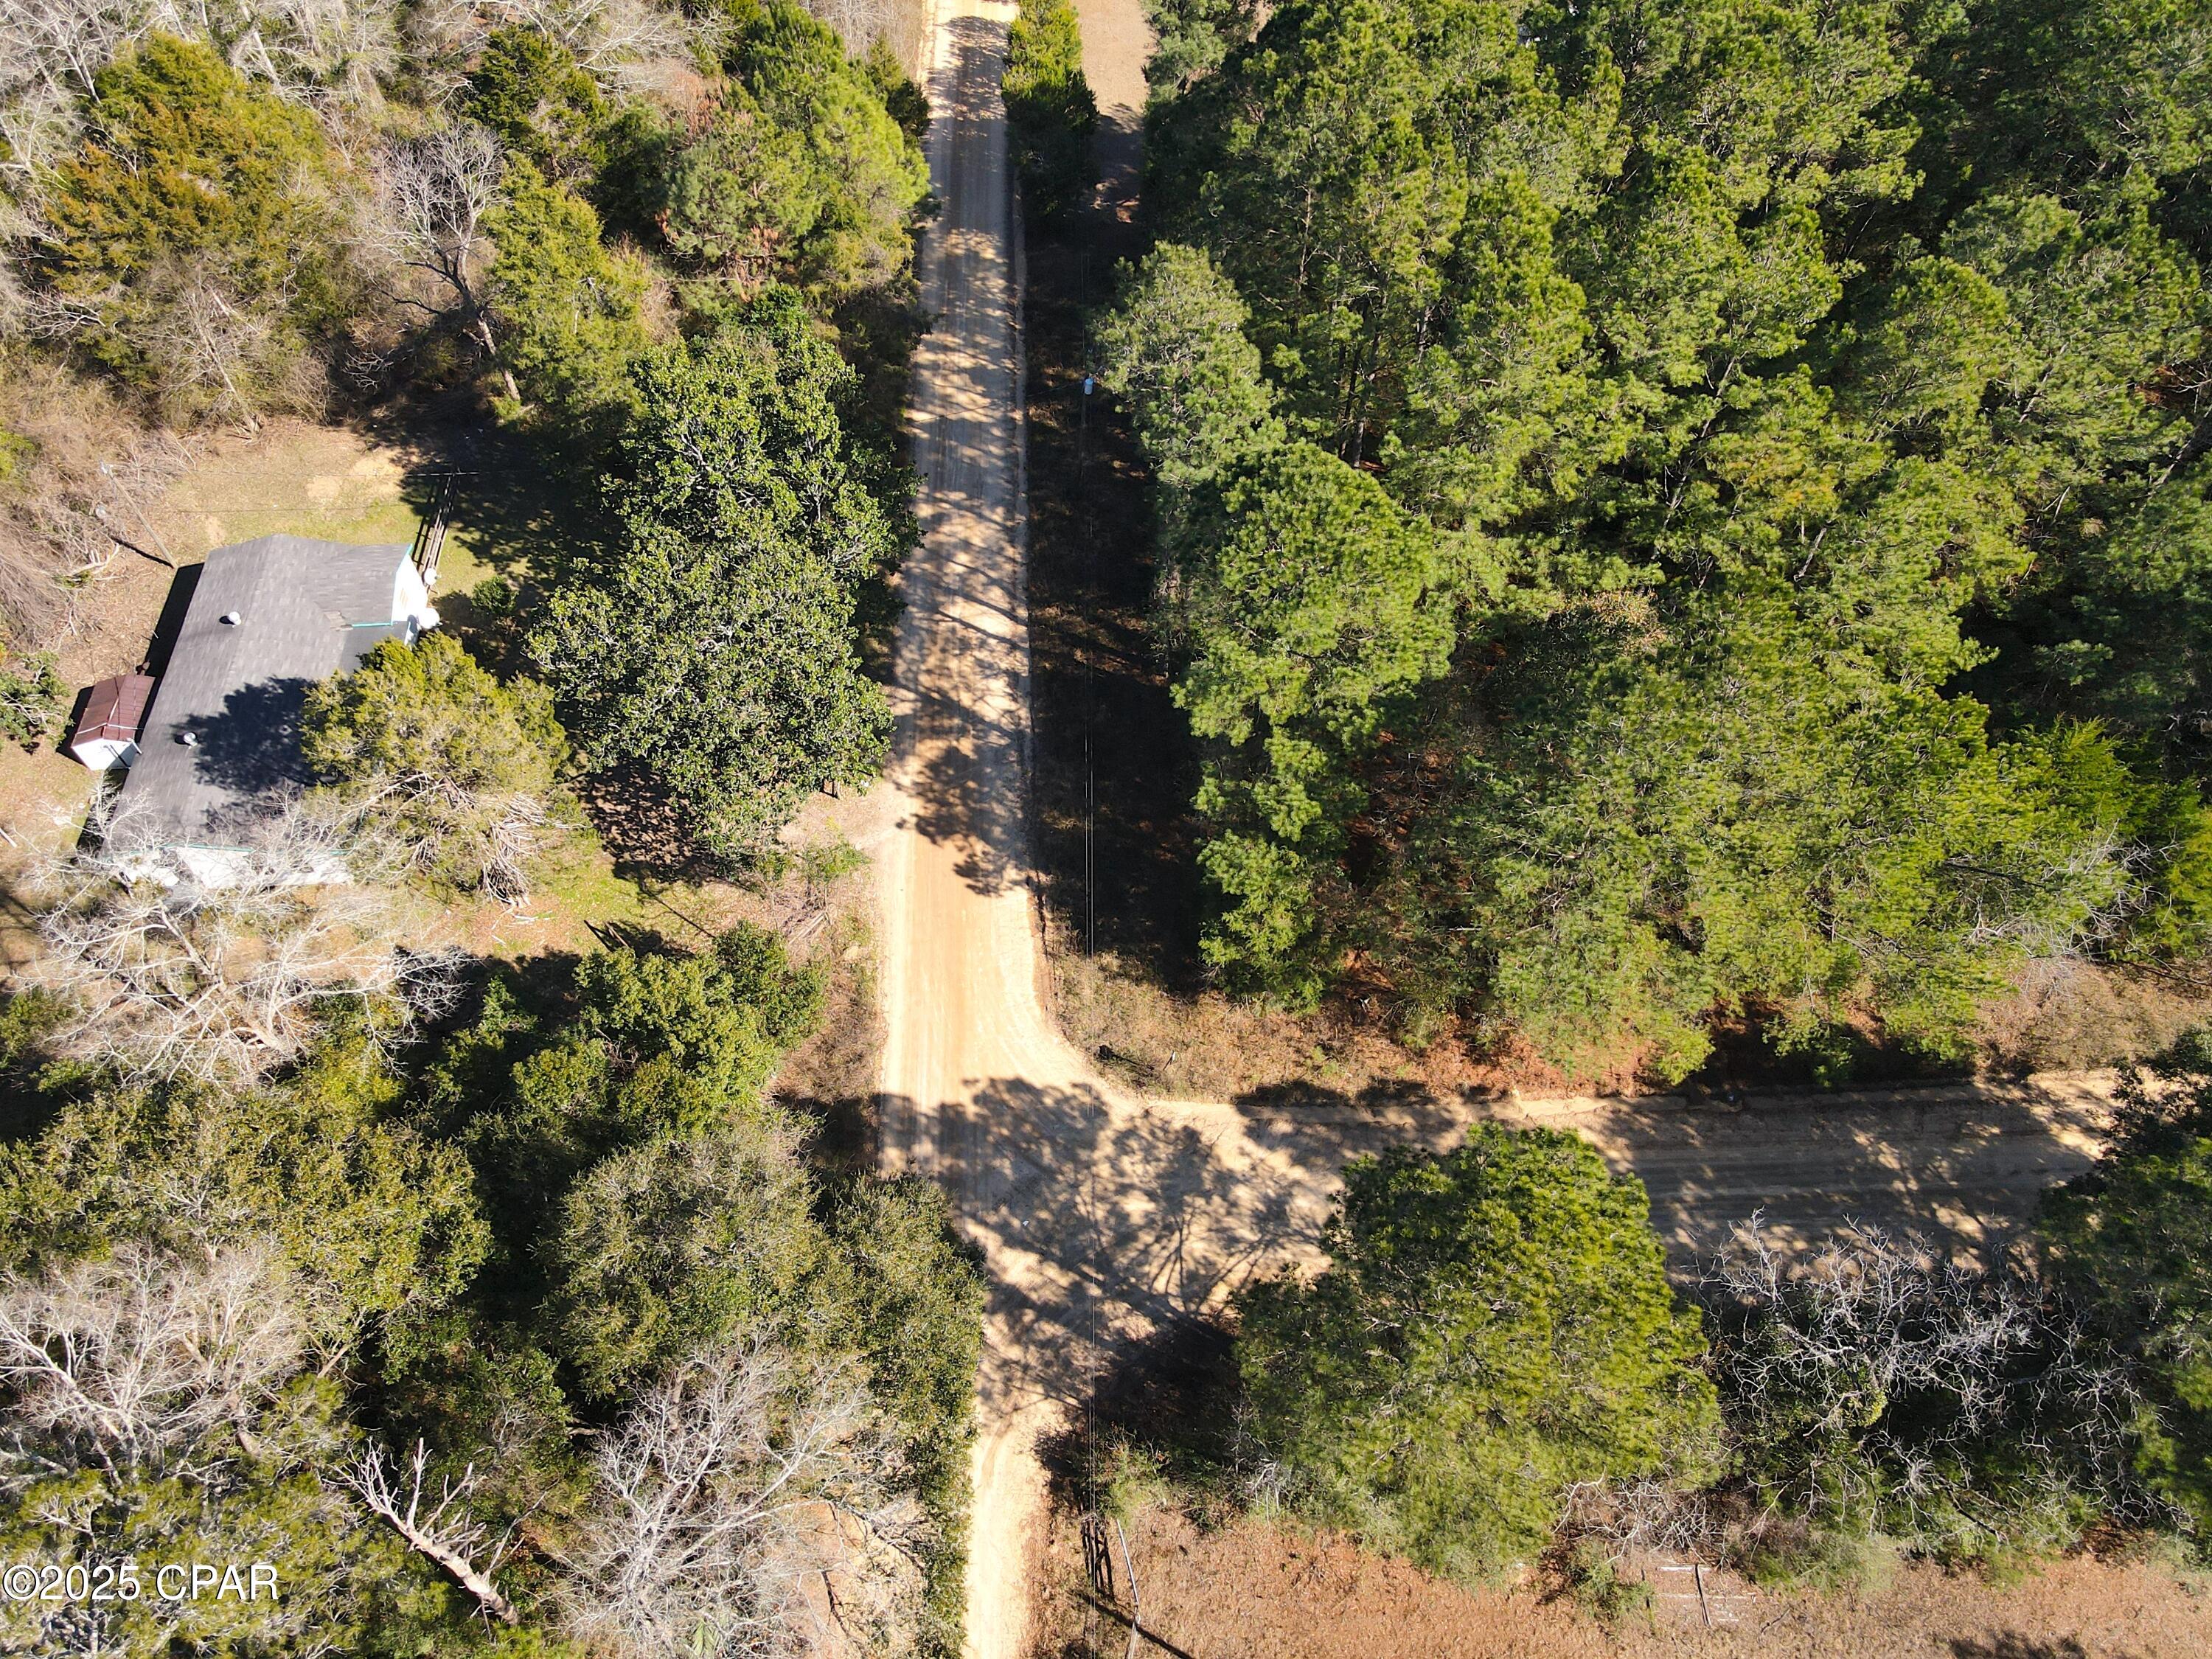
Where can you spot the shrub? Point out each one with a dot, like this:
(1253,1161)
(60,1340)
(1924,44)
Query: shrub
(31,697)
(2133,1238)
(460,771)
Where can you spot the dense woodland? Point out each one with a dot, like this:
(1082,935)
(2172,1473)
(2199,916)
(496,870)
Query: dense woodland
(1663,515)
(1686,512)
(500,1308)
(1668,517)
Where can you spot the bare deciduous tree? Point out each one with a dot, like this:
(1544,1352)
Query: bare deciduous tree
(427,219)
(1643,1514)
(323,49)
(1874,1368)
(501,833)
(747,1506)
(132,1362)
(223,982)
(297,45)
(61,45)
(207,345)
(153,1403)
(609,38)
(442,1529)
(902,25)
(87,484)
(624,43)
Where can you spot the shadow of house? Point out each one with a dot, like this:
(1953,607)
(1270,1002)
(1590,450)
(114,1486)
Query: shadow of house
(267,620)
(170,624)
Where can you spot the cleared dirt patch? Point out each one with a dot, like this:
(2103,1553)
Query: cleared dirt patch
(1256,1591)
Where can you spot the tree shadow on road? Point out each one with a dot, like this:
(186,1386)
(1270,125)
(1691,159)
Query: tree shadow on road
(962,637)
(1961,1171)
(2012,1644)
(1107,1225)
(969,783)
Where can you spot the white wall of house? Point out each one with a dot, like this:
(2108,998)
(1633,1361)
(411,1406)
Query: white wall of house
(100,753)
(411,600)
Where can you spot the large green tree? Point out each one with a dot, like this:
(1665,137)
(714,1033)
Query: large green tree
(1050,111)
(630,1048)
(672,1247)
(371,1220)
(529,89)
(715,645)
(569,307)
(1320,604)
(804,176)
(196,229)
(1176,348)
(1494,1325)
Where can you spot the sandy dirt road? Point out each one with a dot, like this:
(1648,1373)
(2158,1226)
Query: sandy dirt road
(1101,1219)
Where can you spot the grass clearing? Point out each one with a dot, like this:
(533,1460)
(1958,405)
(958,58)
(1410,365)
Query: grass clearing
(338,483)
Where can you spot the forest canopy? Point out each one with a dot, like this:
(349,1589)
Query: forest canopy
(1803,413)
(507,1307)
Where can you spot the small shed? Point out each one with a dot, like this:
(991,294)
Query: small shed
(107,735)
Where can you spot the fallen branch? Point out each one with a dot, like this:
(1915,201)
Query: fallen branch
(447,1534)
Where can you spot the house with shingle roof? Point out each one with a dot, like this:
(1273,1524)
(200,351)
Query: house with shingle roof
(269,618)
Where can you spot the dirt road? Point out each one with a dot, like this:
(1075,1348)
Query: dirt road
(961,1002)
(1101,1219)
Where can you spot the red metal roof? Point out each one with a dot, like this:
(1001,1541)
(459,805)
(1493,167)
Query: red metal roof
(115,710)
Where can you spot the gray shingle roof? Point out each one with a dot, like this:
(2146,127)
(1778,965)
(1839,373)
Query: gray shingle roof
(306,609)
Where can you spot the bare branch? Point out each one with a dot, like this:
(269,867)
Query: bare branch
(135,1359)
(427,216)
(445,1532)
(1873,1371)
(220,983)
(749,1503)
